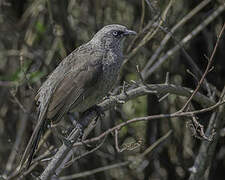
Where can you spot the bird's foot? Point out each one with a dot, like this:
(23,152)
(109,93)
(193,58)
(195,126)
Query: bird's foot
(80,128)
(68,141)
(115,98)
(100,112)
(72,118)
(77,125)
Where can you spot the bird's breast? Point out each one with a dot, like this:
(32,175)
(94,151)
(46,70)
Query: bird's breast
(111,70)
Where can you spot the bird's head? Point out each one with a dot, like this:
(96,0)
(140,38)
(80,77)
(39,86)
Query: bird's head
(111,36)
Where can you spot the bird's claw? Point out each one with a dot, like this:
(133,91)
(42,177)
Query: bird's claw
(81,131)
(100,112)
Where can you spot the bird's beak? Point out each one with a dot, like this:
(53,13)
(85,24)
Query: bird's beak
(129,32)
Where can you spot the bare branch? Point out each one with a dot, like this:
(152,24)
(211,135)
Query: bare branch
(206,70)
(186,39)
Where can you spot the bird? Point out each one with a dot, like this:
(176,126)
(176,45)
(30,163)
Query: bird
(80,81)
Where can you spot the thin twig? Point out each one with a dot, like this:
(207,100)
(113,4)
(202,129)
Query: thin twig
(88,173)
(64,150)
(171,32)
(207,149)
(206,70)
(116,142)
(85,154)
(130,162)
(186,39)
(151,33)
(19,137)
(155,144)
(147,118)
(142,14)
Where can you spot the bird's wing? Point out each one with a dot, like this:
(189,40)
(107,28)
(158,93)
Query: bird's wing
(61,90)
(33,142)
(77,82)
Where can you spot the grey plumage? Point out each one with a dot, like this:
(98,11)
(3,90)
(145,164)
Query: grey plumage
(81,80)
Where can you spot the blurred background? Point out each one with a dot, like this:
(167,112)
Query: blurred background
(35,35)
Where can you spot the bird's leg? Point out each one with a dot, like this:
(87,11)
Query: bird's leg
(99,111)
(76,124)
(87,116)
(87,121)
(112,96)
(72,116)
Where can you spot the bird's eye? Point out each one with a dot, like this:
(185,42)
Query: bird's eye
(115,33)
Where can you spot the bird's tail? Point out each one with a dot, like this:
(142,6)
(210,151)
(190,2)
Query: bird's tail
(34,140)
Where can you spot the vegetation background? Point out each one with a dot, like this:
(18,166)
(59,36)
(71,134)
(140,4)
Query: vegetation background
(35,35)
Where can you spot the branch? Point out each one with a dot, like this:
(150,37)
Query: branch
(108,103)
(94,171)
(147,118)
(206,152)
(206,70)
(186,39)
(132,93)
(24,117)
(204,157)
(171,32)
(133,162)
(60,155)
(152,32)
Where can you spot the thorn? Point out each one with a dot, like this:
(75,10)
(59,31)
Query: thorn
(167,78)
(139,74)
(192,74)
(164,97)
(123,88)
(211,69)
(206,57)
